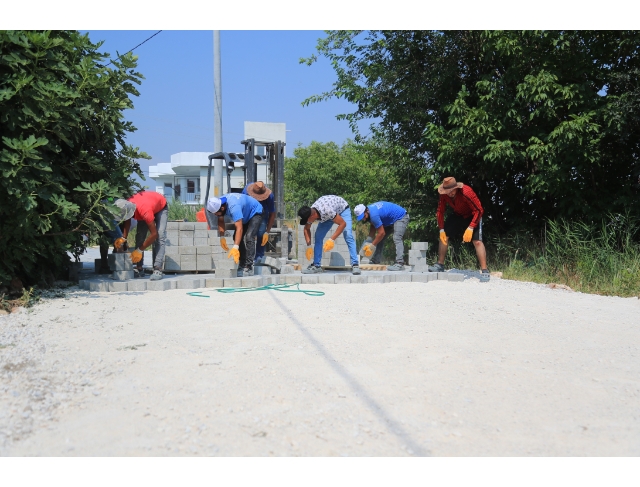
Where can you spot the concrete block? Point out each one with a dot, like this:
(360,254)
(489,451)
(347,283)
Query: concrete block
(200,241)
(172,251)
(424,246)
(225,263)
(214,282)
(203,250)
(201,234)
(175,235)
(338,259)
(202,226)
(185,258)
(309,279)
(122,275)
(161,285)
(375,279)
(117,287)
(188,283)
(171,263)
(171,242)
(120,262)
(275,279)
(204,263)
(83,284)
(287,269)
(173,226)
(252,281)
(402,277)
(184,250)
(226,273)
(291,279)
(233,282)
(420,268)
(186,242)
(417,257)
(388,278)
(213,234)
(423,277)
(99,286)
(187,226)
(273,262)
(454,277)
(137,285)
(187,233)
(261,270)
(442,276)
(326,278)
(343,278)
(359,279)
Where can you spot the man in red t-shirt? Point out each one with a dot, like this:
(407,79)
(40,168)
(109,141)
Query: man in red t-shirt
(465,222)
(151,214)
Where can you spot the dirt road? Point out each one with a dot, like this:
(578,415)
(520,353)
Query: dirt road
(438,368)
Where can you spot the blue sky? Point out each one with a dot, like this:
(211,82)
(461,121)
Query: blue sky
(262,81)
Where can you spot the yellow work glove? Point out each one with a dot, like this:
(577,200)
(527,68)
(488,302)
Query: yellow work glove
(467,235)
(136,256)
(265,239)
(443,238)
(328,245)
(309,253)
(234,254)
(369,249)
(119,243)
(223,244)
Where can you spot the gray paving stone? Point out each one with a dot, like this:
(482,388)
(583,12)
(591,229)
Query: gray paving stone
(454,277)
(225,263)
(214,282)
(137,285)
(290,279)
(187,226)
(171,263)
(359,279)
(326,278)
(117,286)
(420,246)
(171,242)
(204,262)
(122,275)
(375,279)
(226,273)
(262,270)
(162,285)
(188,283)
(423,277)
(252,281)
(99,286)
(233,282)
(201,234)
(173,226)
(388,278)
(287,269)
(309,279)
(402,277)
(343,278)
(200,241)
(187,250)
(186,242)
(200,226)
(442,276)
(172,251)
(203,250)
(273,262)
(120,262)
(173,234)
(187,233)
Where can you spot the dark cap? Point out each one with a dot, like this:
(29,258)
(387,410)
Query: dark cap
(304,213)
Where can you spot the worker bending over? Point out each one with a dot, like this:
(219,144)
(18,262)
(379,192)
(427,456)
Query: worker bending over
(384,218)
(264,195)
(466,221)
(151,214)
(246,213)
(328,209)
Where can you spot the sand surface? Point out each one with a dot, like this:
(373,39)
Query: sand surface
(438,368)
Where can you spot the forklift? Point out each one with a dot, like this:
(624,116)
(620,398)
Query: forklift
(280,240)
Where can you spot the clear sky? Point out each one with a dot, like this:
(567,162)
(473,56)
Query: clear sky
(262,81)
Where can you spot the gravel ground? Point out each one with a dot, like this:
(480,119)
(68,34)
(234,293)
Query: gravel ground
(439,368)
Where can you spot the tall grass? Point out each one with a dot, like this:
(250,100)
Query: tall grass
(182,212)
(601,258)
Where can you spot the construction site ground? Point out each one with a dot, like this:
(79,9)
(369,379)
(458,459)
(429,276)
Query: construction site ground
(406,368)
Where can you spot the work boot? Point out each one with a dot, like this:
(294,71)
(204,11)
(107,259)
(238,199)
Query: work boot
(240,272)
(436,268)
(485,275)
(247,272)
(355,270)
(312,269)
(157,275)
(396,267)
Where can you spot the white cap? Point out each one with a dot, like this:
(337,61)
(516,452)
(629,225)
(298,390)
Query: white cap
(214,204)
(359,211)
(127,209)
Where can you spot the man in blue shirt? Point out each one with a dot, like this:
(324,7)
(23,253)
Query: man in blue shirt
(384,218)
(246,213)
(264,195)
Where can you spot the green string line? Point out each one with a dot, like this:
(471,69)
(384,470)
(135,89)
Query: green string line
(268,287)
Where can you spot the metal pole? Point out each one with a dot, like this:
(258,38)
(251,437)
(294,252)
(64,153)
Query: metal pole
(217,116)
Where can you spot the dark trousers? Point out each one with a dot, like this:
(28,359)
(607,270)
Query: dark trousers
(248,242)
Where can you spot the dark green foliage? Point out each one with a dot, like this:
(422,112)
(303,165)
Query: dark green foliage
(63,148)
(542,125)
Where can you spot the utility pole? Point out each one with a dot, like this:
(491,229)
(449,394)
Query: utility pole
(217,116)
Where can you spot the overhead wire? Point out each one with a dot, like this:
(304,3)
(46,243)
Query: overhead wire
(131,50)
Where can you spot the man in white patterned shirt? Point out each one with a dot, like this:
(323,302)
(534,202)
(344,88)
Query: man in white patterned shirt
(328,210)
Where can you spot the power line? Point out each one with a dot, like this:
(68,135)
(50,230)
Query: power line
(131,50)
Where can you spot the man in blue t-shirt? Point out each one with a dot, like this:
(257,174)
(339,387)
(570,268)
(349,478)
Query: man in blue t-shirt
(264,195)
(384,218)
(246,213)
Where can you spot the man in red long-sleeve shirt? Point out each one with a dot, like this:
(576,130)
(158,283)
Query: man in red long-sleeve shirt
(466,221)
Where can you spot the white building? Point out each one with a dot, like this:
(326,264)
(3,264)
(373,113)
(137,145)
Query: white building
(185,177)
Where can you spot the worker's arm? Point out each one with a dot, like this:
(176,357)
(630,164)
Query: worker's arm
(341,226)
(221,226)
(126,228)
(372,231)
(272,218)
(238,237)
(153,234)
(379,235)
(307,234)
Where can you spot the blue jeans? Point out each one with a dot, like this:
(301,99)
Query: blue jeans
(322,230)
(261,230)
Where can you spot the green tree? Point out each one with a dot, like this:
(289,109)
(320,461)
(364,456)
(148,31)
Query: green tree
(541,124)
(63,149)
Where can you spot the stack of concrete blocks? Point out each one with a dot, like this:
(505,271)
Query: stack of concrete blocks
(121,266)
(187,247)
(338,257)
(418,257)
(223,265)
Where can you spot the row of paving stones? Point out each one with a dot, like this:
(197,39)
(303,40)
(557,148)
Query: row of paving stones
(210,281)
